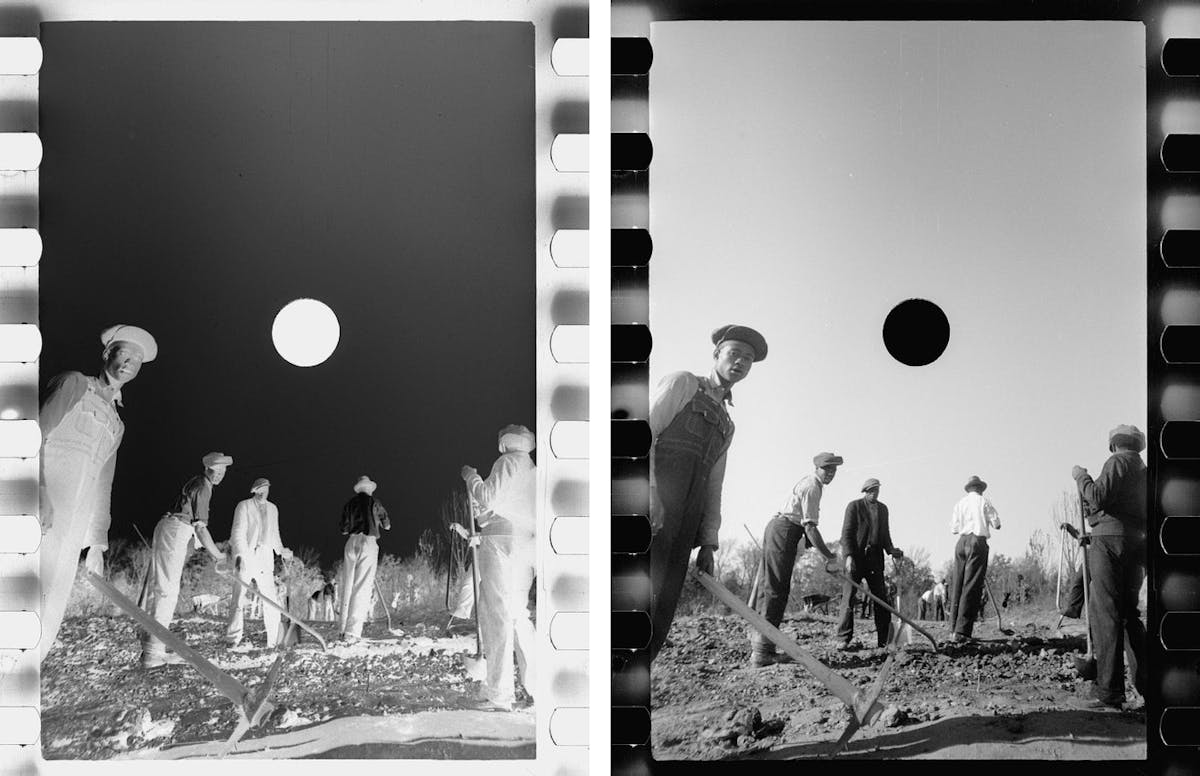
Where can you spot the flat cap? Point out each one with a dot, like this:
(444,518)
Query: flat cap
(517,438)
(733,331)
(871,484)
(975,483)
(821,460)
(216,459)
(1127,436)
(135,334)
(261,482)
(365,485)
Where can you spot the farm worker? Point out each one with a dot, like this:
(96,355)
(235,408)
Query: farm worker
(254,542)
(175,536)
(926,604)
(691,430)
(362,517)
(506,563)
(81,432)
(866,536)
(1115,504)
(792,529)
(939,600)
(973,520)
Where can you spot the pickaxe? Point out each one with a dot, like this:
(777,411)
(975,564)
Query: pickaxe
(252,706)
(862,588)
(864,707)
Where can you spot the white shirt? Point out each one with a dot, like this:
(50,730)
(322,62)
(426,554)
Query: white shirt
(510,491)
(254,528)
(939,590)
(927,596)
(973,514)
(804,504)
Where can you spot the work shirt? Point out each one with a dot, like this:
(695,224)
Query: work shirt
(673,394)
(927,596)
(364,514)
(939,590)
(804,504)
(1117,498)
(974,514)
(192,502)
(509,494)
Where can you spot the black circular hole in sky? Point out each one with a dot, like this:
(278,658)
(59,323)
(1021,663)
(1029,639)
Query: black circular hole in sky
(916,332)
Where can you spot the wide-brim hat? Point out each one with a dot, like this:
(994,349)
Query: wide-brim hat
(1128,437)
(517,438)
(745,334)
(135,334)
(871,484)
(821,460)
(213,460)
(261,482)
(364,485)
(975,482)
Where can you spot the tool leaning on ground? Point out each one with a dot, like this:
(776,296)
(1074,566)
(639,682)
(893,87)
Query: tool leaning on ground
(863,705)
(252,705)
(476,667)
(293,619)
(992,598)
(862,588)
(1085,666)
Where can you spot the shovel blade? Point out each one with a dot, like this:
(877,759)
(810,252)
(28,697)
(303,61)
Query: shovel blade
(476,667)
(1085,667)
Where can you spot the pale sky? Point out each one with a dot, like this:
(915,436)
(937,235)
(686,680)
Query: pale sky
(809,176)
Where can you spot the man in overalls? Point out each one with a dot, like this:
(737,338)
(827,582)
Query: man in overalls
(175,536)
(1115,504)
(81,432)
(254,542)
(506,554)
(691,431)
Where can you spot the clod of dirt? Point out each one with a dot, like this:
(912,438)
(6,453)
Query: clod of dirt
(740,721)
(770,727)
(893,716)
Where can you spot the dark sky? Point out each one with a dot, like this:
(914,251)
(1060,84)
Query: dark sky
(199,176)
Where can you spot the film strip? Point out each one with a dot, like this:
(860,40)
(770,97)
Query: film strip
(561,55)
(1172,51)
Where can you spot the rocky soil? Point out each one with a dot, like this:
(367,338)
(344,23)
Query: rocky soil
(1005,697)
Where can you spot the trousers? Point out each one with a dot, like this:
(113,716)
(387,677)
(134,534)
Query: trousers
(966,582)
(782,541)
(173,542)
(505,574)
(257,566)
(359,563)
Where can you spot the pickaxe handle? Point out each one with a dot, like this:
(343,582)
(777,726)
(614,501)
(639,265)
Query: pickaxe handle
(836,683)
(862,588)
(226,685)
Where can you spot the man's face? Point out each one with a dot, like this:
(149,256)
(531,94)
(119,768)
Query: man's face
(733,361)
(216,474)
(261,493)
(827,473)
(871,496)
(123,362)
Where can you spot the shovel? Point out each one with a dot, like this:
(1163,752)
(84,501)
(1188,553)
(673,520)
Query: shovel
(1085,666)
(476,667)
(383,601)
(999,623)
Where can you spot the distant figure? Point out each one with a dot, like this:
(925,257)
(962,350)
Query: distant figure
(925,605)
(1116,558)
(254,542)
(790,531)
(866,536)
(973,520)
(175,535)
(81,432)
(321,603)
(507,554)
(691,432)
(362,518)
(939,600)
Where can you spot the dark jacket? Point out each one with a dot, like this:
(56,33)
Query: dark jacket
(365,515)
(856,532)
(1115,502)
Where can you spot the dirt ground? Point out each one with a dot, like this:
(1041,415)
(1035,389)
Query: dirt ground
(98,703)
(1007,697)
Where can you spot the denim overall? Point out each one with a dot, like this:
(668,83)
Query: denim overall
(684,456)
(73,455)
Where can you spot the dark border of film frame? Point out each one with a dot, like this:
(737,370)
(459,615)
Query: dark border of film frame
(1172,32)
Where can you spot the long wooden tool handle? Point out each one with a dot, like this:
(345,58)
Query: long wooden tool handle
(867,592)
(836,683)
(252,587)
(225,684)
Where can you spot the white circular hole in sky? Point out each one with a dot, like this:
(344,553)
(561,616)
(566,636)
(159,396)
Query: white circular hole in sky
(305,332)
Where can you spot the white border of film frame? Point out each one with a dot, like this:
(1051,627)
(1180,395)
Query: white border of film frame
(561,64)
